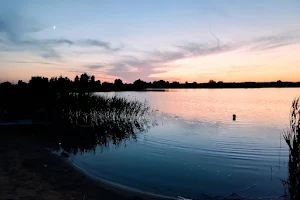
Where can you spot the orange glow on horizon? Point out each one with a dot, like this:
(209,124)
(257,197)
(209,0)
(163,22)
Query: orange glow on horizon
(236,66)
(233,66)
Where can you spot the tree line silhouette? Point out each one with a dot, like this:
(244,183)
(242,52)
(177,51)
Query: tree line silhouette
(86,83)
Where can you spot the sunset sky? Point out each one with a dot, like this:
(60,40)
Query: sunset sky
(175,40)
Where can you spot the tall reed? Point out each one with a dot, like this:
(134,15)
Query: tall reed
(84,121)
(292,138)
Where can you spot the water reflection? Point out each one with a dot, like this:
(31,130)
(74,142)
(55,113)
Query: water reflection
(86,138)
(265,107)
(84,122)
(185,156)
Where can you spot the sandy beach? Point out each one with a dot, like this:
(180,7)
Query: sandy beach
(28,171)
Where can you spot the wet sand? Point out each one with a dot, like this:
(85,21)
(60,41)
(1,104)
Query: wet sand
(28,171)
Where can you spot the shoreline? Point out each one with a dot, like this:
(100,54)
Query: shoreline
(30,171)
(123,188)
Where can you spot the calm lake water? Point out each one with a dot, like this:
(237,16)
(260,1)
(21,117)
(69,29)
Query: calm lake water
(196,148)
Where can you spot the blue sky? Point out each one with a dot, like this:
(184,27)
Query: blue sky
(189,40)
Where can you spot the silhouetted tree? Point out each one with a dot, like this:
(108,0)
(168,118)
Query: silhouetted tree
(76,79)
(76,83)
(107,86)
(21,83)
(175,84)
(212,82)
(53,79)
(84,78)
(139,84)
(36,80)
(63,84)
(39,84)
(118,83)
(85,83)
(160,84)
(92,79)
(6,84)
(92,84)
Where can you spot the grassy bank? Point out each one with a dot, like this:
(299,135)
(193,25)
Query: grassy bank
(78,122)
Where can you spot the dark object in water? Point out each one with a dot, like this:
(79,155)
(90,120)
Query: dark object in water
(65,154)
(234,117)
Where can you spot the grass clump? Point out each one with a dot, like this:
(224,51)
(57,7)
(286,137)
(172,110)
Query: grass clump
(292,138)
(84,121)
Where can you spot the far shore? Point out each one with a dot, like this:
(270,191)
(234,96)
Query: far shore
(29,171)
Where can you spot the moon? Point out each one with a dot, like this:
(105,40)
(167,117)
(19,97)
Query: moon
(54,27)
